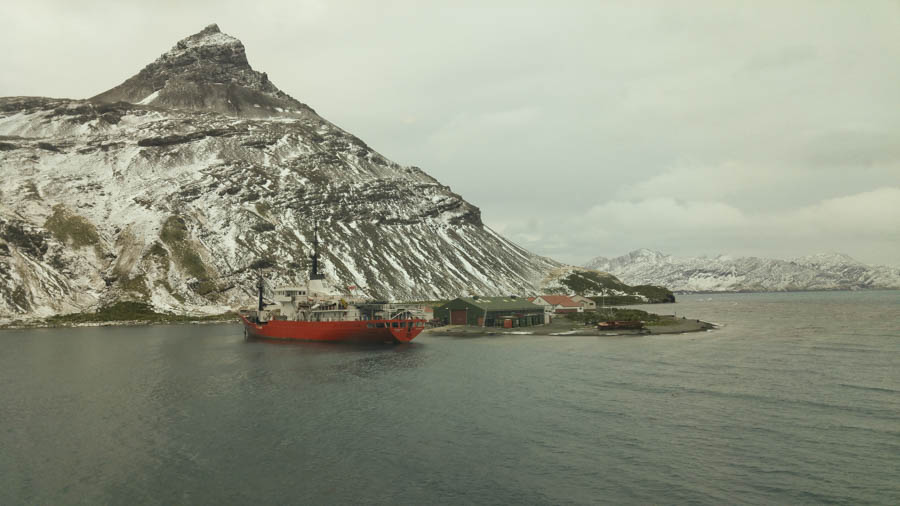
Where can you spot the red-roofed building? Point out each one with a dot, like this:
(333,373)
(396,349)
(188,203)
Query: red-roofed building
(558,304)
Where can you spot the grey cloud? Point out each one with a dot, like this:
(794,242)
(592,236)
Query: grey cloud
(853,147)
(780,59)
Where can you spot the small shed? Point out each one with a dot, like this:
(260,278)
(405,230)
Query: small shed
(490,312)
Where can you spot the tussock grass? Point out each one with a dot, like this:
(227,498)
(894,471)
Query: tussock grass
(612,313)
(137,284)
(71,229)
(124,311)
(175,235)
(588,281)
(263,208)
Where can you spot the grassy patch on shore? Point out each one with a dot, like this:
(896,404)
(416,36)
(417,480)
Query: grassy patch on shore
(663,321)
(132,311)
(613,314)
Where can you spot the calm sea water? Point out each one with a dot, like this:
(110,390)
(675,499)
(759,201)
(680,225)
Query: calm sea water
(796,399)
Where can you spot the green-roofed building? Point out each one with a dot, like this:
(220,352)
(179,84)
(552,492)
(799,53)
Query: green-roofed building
(490,312)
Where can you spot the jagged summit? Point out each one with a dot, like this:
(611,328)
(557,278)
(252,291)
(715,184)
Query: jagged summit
(830,258)
(211,36)
(207,71)
(641,255)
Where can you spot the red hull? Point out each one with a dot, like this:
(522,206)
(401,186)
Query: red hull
(364,331)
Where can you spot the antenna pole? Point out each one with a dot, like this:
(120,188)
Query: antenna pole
(259,285)
(314,272)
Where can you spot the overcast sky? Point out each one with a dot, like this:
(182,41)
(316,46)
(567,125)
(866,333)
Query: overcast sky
(579,128)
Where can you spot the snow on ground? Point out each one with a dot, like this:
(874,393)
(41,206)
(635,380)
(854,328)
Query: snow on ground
(124,187)
(149,98)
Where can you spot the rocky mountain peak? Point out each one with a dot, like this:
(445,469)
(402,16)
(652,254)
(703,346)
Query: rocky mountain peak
(210,29)
(830,258)
(206,71)
(646,254)
(210,44)
(642,255)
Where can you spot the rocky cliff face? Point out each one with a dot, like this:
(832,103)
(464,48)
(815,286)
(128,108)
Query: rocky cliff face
(207,71)
(173,186)
(726,274)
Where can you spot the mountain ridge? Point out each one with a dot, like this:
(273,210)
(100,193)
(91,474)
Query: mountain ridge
(722,273)
(173,187)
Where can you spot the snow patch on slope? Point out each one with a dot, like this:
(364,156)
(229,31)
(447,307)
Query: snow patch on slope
(828,271)
(150,98)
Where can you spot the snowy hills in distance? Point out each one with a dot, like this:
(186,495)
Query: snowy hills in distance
(824,271)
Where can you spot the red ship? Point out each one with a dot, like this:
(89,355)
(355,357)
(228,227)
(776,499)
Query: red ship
(361,331)
(315,313)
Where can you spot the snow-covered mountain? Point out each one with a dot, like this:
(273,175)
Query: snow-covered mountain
(725,274)
(171,187)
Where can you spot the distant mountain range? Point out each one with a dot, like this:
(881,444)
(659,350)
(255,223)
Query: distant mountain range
(829,271)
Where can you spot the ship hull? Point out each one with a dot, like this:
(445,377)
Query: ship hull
(363,331)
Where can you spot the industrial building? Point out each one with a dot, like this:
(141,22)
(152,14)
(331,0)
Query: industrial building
(490,312)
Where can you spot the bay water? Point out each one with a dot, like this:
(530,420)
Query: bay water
(794,399)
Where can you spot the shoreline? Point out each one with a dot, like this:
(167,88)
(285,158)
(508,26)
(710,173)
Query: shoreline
(819,290)
(114,323)
(563,327)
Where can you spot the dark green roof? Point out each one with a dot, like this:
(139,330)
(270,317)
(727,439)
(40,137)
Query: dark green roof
(501,303)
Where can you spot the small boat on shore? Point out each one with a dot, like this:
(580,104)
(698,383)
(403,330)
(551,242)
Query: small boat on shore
(314,312)
(620,325)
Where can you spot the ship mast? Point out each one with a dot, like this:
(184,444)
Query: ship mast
(314,272)
(259,285)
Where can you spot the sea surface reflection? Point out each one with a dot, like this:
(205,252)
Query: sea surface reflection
(795,399)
